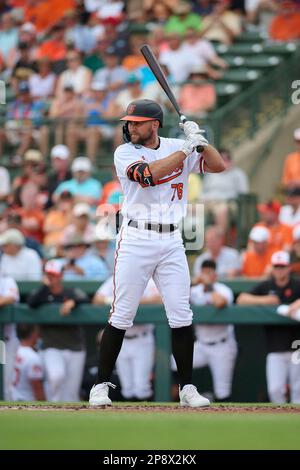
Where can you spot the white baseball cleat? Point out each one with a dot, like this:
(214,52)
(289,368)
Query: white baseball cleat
(99,394)
(189,396)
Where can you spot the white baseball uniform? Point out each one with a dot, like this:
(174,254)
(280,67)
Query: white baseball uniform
(142,253)
(136,359)
(9,288)
(215,345)
(28,367)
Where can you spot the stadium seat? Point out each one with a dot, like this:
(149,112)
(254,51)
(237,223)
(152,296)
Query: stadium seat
(262,62)
(243,76)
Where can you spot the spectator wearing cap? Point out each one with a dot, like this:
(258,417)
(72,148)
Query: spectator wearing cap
(63,345)
(291,167)
(14,220)
(24,123)
(42,84)
(81,264)
(81,226)
(257,258)
(279,290)
(27,36)
(23,67)
(280,234)
(56,220)
(60,165)
(32,163)
(222,25)
(82,186)
(66,111)
(285,26)
(18,261)
(220,194)
(95,114)
(76,75)
(228,263)
(113,74)
(290,213)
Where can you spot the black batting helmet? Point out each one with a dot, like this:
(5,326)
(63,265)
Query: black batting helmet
(142,110)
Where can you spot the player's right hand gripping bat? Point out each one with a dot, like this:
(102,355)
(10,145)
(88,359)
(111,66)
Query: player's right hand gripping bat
(161,78)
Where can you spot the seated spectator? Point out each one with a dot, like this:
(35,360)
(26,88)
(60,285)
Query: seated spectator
(63,345)
(80,264)
(82,186)
(261,12)
(5,184)
(134,60)
(202,7)
(32,216)
(54,48)
(42,83)
(280,234)
(79,33)
(285,26)
(113,74)
(94,60)
(60,168)
(198,95)
(56,220)
(290,213)
(215,345)
(95,113)
(257,258)
(27,384)
(183,19)
(103,244)
(8,35)
(295,252)
(24,67)
(81,226)
(221,25)
(9,295)
(227,259)
(14,220)
(281,288)
(76,75)
(159,12)
(134,370)
(46,14)
(19,262)
(291,167)
(110,188)
(24,124)
(66,110)
(221,191)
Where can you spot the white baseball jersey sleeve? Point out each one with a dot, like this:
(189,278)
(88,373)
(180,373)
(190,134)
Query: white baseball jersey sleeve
(28,367)
(166,201)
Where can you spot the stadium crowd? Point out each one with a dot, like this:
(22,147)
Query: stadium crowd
(71,68)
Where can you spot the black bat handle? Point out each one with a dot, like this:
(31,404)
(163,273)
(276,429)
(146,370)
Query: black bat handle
(183,120)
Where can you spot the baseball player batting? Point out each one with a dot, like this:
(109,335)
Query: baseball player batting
(153,172)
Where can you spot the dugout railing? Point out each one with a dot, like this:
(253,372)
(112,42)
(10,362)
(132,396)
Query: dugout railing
(248,321)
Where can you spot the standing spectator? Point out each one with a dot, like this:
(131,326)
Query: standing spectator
(291,168)
(290,213)
(113,74)
(257,257)
(81,264)
(136,359)
(280,234)
(215,345)
(76,75)
(60,168)
(82,186)
(81,226)
(64,346)
(19,262)
(285,26)
(220,193)
(279,289)
(42,83)
(27,384)
(9,295)
(227,259)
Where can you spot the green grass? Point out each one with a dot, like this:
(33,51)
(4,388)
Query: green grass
(110,430)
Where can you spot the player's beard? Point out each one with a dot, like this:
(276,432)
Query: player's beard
(148,138)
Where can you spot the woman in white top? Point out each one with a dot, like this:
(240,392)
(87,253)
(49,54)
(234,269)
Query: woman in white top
(77,75)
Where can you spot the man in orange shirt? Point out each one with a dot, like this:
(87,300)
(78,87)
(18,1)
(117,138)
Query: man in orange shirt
(281,237)
(256,259)
(291,168)
(286,25)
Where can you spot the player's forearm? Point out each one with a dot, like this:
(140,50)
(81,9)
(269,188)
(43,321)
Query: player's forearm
(166,165)
(213,162)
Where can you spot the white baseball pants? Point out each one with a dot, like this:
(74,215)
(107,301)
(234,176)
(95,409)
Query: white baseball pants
(134,366)
(281,371)
(64,372)
(140,255)
(11,347)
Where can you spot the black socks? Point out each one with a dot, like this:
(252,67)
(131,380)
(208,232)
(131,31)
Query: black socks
(183,349)
(110,346)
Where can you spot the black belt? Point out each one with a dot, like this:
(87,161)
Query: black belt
(223,340)
(154,226)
